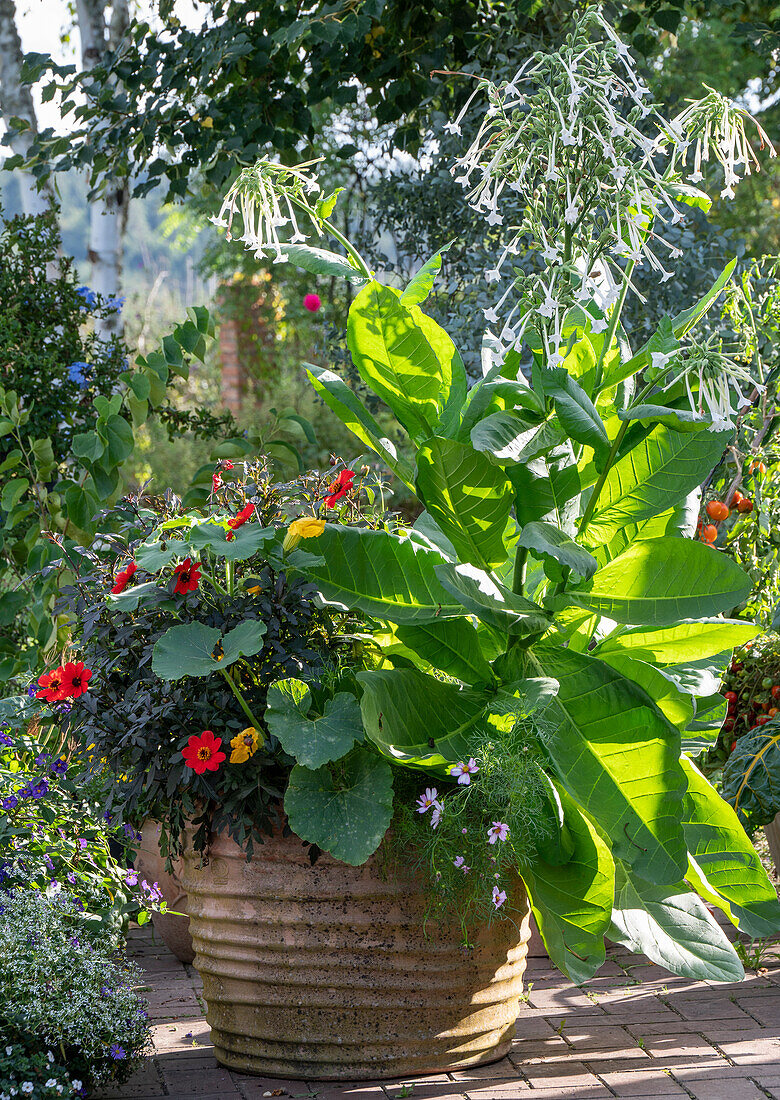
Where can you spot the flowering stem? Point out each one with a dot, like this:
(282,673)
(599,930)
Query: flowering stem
(362,266)
(243,703)
(613,323)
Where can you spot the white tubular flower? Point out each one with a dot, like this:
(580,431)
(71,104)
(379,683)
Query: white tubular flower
(564,136)
(257,196)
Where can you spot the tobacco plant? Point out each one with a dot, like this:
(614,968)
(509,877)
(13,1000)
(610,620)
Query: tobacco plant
(554,568)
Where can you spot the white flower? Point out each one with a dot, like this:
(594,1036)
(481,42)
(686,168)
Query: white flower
(494,218)
(426,800)
(50,1083)
(27,1086)
(598,324)
(492,275)
(463,772)
(436,815)
(659,359)
(554,360)
(491,315)
(9,1051)
(452,128)
(77,1084)
(49,1056)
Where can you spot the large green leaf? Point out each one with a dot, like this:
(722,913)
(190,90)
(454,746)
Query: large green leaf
(421,283)
(158,551)
(572,902)
(726,860)
(503,395)
(451,645)
(618,756)
(318,739)
(345,811)
(689,640)
(659,581)
(245,543)
(469,498)
(676,704)
(493,603)
(751,777)
(655,474)
(396,360)
(194,649)
(381,575)
(674,928)
(504,435)
(354,415)
(418,720)
(545,540)
(576,411)
(319,261)
(453,371)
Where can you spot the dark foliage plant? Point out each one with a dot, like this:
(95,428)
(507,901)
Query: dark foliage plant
(137,721)
(49,353)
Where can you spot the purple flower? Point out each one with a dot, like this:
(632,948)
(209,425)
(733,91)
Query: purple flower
(49,862)
(426,800)
(71,878)
(11,802)
(32,688)
(83,843)
(463,772)
(131,878)
(41,760)
(5,739)
(59,767)
(499,897)
(497,831)
(117,1052)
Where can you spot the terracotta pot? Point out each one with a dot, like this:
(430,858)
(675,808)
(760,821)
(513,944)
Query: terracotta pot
(174,931)
(324,972)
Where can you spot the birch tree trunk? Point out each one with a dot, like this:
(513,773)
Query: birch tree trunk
(16,102)
(108,212)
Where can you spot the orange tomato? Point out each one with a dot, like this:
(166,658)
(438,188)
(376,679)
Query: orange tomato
(709,532)
(716,509)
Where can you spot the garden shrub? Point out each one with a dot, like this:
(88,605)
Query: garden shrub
(62,987)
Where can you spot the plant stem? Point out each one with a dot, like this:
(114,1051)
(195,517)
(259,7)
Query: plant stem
(242,702)
(613,324)
(521,559)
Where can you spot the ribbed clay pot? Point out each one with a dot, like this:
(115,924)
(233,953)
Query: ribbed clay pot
(174,931)
(324,972)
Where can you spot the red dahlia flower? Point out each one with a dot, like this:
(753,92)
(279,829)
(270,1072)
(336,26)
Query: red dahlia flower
(50,683)
(202,753)
(74,680)
(239,520)
(187,576)
(339,488)
(122,578)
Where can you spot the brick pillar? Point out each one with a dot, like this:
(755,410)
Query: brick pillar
(233,375)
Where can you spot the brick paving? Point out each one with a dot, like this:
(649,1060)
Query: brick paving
(633,1031)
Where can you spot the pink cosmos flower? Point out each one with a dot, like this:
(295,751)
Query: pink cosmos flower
(426,800)
(497,831)
(461,864)
(499,897)
(436,815)
(463,772)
